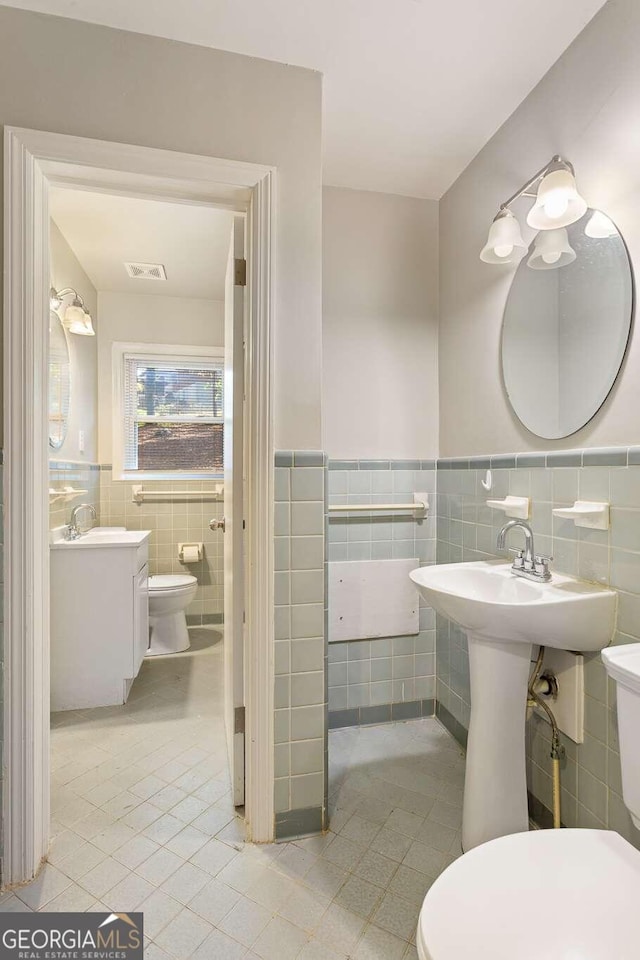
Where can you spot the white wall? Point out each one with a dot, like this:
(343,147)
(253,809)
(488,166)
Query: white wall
(585,108)
(131,88)
(380,302)
(83,408)
(148,319)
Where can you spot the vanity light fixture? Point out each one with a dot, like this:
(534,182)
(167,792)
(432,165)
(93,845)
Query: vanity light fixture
(551,250)
(505,243)
(557,205)
(76,318)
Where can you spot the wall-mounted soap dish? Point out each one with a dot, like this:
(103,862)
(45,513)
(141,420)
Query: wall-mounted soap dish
(517,507)
(65,494)
(586,513)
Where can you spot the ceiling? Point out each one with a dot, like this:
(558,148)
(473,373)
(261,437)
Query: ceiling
(104,230)
(412,88)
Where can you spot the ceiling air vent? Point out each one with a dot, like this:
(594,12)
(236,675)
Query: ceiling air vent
(146,271)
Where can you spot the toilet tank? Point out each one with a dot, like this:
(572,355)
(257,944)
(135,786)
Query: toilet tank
(623,665)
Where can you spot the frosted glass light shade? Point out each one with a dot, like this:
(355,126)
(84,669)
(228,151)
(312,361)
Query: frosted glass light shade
(82,328)
(599,227)
(78,321)
(551,250)
(558,202)
(504,243)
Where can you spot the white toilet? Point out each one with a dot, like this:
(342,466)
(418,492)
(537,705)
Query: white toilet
(548,894)
(169,596)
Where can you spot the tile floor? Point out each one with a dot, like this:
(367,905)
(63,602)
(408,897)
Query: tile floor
(142,820)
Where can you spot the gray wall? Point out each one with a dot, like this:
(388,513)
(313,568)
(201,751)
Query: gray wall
(380,325)
(584,108)
(131,88)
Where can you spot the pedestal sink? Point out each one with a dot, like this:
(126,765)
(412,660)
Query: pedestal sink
(504,616)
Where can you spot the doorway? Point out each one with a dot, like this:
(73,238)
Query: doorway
(36,163)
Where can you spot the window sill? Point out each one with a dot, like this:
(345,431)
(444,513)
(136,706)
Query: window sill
(139,476)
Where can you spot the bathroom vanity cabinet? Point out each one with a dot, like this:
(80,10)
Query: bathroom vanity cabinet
(99,617)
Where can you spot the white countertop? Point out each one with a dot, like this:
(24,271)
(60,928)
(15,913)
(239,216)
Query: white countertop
(105,537)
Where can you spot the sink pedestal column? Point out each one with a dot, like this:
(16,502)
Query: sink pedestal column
(495,793)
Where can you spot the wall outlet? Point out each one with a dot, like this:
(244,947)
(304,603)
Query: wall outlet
(81,441)
(568,705)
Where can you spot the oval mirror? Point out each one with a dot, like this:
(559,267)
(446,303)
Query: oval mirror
(59,381)
(566,325)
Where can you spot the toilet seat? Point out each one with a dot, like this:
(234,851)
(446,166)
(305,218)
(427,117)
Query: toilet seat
(543,895)
(168,583)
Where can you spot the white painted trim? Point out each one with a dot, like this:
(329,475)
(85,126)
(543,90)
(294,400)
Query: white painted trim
(119,349)
(26,551)
(259,667)
(32,158)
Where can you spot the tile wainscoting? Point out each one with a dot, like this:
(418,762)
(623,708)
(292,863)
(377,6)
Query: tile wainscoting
(467,530)
(301,727)
(173,522)
(78,476)
(373,681)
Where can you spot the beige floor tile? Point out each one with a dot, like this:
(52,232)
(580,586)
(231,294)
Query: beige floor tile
(187,842)
(159,866)
(378,944)
(187,881)
(214,901)
(183,935)
(397,916)
(159,910)
(218,946)
(135,851)
(103,877)
(49,884)
(245,921)
(280,940)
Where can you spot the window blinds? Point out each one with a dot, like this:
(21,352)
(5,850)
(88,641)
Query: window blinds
(173,413)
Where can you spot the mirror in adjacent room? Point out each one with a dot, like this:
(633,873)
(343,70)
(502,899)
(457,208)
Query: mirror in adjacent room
(566,325)
(59,381)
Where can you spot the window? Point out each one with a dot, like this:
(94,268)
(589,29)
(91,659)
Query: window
(172,415)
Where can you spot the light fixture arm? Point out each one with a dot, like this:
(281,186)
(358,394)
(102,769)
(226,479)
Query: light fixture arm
(65,293)
(555,161)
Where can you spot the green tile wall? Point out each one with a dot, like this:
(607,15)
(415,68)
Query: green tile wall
(467,530)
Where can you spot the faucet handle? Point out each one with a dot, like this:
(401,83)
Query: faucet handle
(541,566)
(518,557)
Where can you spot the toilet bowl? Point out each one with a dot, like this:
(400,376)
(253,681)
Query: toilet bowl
(548,894)
(169,596)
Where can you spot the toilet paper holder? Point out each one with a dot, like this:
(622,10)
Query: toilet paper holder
(190,552)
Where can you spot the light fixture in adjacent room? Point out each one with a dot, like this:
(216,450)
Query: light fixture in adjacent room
(599,227)
(75,317)
(505,243)
(557,204)
(551,250)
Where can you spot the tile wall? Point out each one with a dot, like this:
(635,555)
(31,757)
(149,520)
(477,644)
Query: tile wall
(300,653)
(172,522)
(467,530)
(79,476)
(371,681)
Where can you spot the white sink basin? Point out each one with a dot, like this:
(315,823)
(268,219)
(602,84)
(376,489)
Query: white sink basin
(105,537)
(504,616)
(488,600)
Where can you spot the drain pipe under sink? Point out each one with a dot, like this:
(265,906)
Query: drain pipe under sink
(547,685)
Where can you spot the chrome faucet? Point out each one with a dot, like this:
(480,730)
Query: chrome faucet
(526,562)
(73,531)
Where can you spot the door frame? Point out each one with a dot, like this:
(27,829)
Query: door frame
(33,159)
